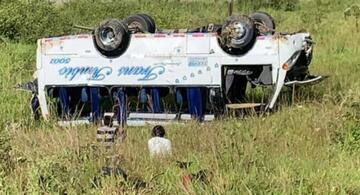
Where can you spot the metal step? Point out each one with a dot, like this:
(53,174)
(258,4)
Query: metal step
(145,119)
(244,105)
(164,121)
(311,79)
(187,117)
(153,116)
(140,122)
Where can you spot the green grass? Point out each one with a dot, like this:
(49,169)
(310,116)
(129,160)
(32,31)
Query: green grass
(309,147)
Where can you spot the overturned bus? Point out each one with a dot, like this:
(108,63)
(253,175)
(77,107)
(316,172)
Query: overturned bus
(138,72)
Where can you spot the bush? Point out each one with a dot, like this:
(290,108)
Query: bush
(23,20)
(72,171)
(5,156)
(5,149)
(287,5)
(348,135)
(31,20)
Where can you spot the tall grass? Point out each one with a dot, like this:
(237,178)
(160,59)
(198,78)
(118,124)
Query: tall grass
(309,146)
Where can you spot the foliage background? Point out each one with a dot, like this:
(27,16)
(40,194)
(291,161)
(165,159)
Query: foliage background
(310,146)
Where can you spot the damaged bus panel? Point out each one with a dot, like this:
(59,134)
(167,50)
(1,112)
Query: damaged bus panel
(135,71)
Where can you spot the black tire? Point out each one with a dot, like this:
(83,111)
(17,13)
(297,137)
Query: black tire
(139,22)
(231,40)
(264,23)
(111,37)
(152,22)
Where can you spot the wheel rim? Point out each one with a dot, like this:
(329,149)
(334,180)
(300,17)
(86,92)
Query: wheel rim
(107,36)
(239,33)
(240,30)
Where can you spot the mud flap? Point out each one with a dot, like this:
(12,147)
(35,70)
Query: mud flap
(195,102)
(35,107)
(143,101)
(64,101)
(229,79)
(179,102)
(122,115)
(95,103)
(84,95)
(143,96)
(179,99)
(155,100)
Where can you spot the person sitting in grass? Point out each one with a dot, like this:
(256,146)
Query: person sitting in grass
(158,145)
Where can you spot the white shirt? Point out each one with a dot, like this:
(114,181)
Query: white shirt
(159,146)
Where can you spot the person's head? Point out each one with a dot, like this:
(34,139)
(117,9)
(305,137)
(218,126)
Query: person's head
(158,131)
(107,120)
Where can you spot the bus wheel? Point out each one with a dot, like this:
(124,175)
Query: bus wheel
(264,22)
(111,37)
(140,23)
(237,35)
(152,22)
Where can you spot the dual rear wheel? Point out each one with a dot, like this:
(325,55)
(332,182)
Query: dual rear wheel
(112,37)
(238,33)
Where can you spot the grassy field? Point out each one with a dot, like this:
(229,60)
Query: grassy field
(310,146)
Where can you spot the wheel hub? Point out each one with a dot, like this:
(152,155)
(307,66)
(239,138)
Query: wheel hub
(107,36)
(239,30)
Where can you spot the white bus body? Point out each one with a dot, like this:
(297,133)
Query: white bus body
(175,59)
